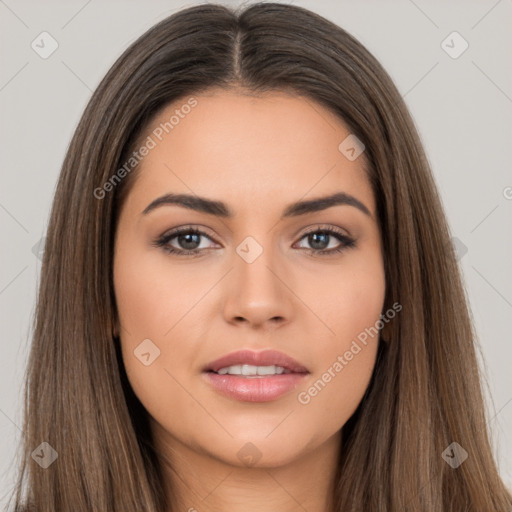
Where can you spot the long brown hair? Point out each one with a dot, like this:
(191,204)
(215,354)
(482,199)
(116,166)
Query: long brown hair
(425,392)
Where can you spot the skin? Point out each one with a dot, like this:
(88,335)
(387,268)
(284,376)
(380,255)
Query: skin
(256,154)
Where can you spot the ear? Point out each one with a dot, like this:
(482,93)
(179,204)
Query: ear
(115,328)
(385,332)
(388,331)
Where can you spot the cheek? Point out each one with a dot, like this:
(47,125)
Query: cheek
(351,308)
(352,298)
(148,308)
(157,303)
(151,296)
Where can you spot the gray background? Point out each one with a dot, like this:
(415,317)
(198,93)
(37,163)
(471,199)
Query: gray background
(462,108)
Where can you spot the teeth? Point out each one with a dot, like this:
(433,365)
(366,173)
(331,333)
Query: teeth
(250,370)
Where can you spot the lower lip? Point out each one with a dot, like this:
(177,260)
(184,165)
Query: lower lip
(254,389)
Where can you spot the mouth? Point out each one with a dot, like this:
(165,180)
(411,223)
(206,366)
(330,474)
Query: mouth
(255,376)
(250,363)
(251,371)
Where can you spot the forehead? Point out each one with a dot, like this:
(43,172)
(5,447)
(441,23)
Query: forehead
(245,149)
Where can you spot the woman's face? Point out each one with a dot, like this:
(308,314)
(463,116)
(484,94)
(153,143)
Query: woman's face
(252,281)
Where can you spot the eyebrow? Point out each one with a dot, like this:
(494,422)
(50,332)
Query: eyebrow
(220,209)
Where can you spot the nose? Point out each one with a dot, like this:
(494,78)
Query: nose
(259,293)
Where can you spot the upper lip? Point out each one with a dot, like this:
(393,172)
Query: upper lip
(262,358)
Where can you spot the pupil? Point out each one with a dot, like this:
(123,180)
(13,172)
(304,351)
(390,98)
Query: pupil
(313,240)
(184,243)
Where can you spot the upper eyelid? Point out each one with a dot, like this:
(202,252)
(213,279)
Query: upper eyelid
(171,233)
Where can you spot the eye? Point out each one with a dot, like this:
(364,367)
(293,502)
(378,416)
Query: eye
(320,238)
(188,237)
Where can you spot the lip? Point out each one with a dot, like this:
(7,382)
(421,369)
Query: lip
(254,389)
(259,388)
(262,358)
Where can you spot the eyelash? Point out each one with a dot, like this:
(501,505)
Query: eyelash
(163,241)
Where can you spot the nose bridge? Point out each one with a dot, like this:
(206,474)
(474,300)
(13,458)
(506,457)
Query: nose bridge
(257,292)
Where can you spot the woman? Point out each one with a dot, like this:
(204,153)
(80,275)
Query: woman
(249,299)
